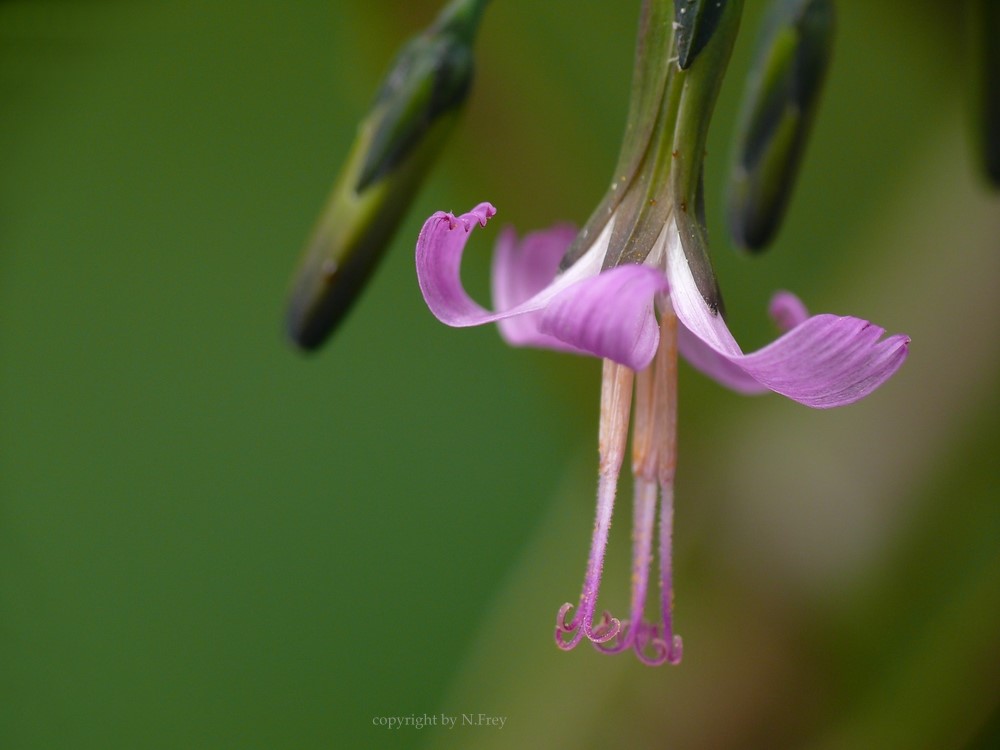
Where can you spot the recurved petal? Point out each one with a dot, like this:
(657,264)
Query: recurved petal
(609,315)
(822,362)
(439,258)
(715,365)
(787,310)
(525,282)
(828,361)
(522,269)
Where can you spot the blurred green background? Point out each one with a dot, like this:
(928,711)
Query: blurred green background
(208,540)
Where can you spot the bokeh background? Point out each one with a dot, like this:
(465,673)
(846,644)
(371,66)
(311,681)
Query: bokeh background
(208,540)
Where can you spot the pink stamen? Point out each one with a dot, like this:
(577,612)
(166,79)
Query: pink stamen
(616,397)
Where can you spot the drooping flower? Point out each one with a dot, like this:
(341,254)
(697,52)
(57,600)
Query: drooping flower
(635,287)
(636,317)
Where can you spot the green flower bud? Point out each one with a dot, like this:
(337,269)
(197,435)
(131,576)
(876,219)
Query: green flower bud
(695,21)
(779,106)
(985,28)
(413,113)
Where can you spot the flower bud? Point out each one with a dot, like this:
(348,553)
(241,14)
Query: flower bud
(695,21)
(984,25)
(413,113)
(779,105)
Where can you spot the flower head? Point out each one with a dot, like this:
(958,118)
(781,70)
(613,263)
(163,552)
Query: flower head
(635,287)
(636,317)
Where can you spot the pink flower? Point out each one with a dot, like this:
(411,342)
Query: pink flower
(637,317)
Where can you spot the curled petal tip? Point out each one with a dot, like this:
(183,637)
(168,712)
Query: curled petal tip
(485,211)
(481,214)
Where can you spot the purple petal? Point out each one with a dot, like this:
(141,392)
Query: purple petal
(787,311)
(439,256)
(711,363)
(828,361)
(609,315)
(824,361)
(520,271)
